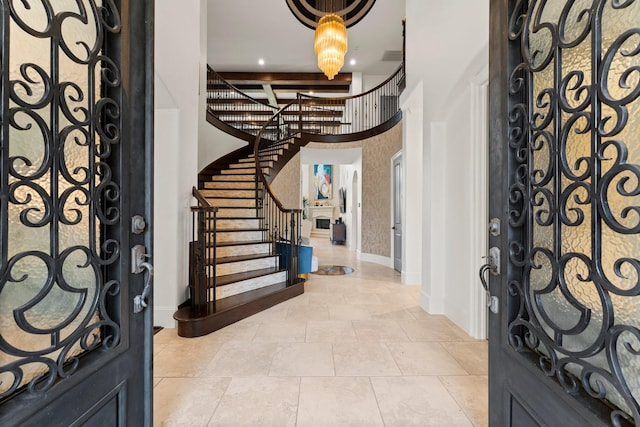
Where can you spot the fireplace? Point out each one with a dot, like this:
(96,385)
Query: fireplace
(323,223)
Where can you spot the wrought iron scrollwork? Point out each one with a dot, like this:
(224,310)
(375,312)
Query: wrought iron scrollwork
(574,195)
(60,131)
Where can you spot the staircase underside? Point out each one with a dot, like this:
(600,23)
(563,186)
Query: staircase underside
(233,309)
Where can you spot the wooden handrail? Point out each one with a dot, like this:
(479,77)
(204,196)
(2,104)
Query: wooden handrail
(399,71)
(290,110)
(361,112)
(235,89)
(203,202)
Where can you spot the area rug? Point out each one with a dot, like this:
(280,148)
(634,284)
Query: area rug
(333,270)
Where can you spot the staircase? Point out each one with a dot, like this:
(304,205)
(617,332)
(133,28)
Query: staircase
(245,243)
(244,274)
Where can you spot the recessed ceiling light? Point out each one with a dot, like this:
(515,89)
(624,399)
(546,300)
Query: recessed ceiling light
(352,62)
(310,92)
(261,61)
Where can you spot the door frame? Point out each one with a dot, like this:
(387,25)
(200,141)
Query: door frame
(394,158)
(125,375)
(479,86)
(355,211)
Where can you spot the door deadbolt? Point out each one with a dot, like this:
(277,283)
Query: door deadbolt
(138,224)
(494,227)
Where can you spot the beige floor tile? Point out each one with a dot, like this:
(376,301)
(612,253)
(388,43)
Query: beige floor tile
(473,356)
(389,312)
(379,288)
(254,402)
(277,313)
(364,359)
(299,300)
(424,358)
(183,360)
(399,299)
(432,330)
(283,331)
(302,313)
(471,393)
(363,299)
(337,401)
(241,359)
(243,331)
(315,286)
(379,331)
(356,329)
(169,336)
(179,401)
(420,314)
(349,312)
(417,401)
(330,331)
(157,348)
(326,299)
(302,359)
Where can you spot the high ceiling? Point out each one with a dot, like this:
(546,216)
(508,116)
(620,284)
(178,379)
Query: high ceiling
(242,31)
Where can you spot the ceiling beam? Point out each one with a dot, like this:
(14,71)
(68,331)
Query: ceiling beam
(286,78)
(268,90)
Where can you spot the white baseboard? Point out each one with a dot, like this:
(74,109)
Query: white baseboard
(411,278)
(430,305)
(163,316)
(376,259)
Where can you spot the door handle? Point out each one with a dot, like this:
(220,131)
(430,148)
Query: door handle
(493,266)
(139,265)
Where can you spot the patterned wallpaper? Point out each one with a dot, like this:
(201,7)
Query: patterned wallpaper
(376,190)
(376,187)
(286,185)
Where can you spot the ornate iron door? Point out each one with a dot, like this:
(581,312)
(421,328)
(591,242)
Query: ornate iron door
(75,167)
(565,182)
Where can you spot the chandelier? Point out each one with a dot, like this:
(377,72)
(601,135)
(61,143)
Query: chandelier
(330,44)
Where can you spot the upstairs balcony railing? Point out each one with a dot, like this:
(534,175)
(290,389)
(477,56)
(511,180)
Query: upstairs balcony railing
(311,117)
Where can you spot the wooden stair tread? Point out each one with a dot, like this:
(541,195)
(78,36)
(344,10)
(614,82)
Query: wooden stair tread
(231,197)
(219,206)
(228,279)
(226,182)
(234,308)
(242,243)
(239,258)
(239,218)
(245,297)
(234,230)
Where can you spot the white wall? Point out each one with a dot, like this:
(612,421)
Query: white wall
(176,149)
(184,143)
(370,81)
(445,69)
(212,142)
(412,138)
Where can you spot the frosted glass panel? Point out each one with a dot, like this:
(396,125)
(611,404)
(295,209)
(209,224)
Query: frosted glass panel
(579,182)
(59,191)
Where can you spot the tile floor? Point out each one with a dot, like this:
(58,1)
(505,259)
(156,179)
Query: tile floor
(354,350)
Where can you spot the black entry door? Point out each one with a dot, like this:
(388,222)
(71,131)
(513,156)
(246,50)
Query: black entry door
(75,168)
(565,184)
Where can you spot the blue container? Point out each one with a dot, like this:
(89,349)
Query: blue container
(305,254)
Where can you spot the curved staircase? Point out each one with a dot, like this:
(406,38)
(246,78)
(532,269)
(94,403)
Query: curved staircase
(244,250)
(244,273)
